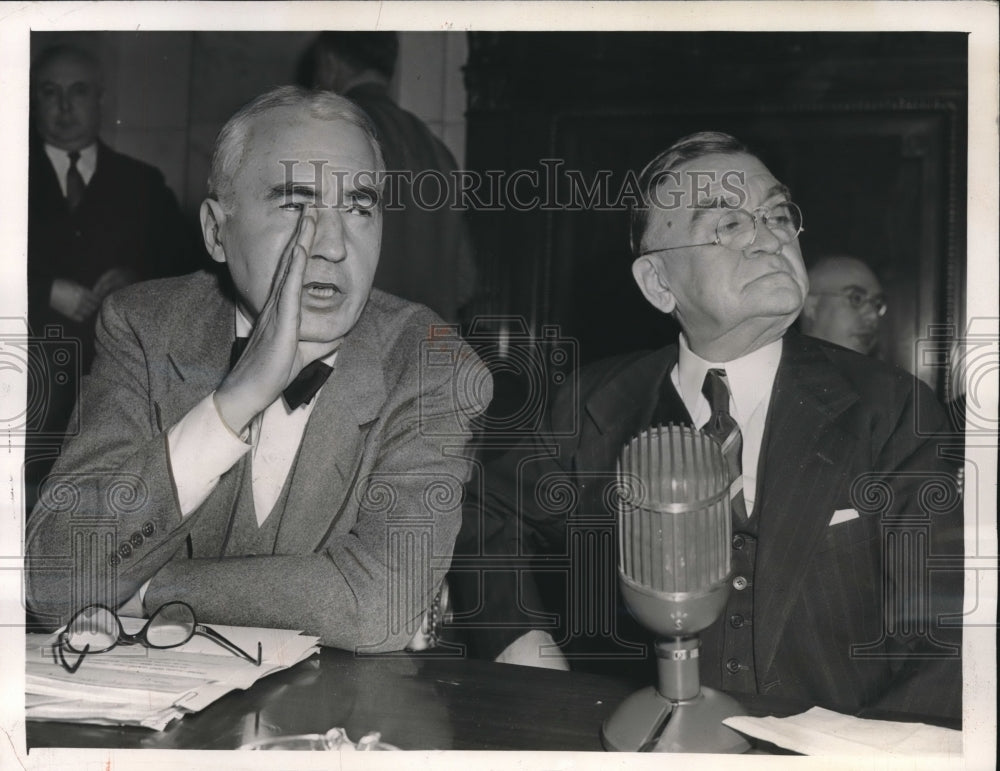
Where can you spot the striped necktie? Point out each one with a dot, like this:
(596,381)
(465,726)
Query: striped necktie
(724,430)
(74,182)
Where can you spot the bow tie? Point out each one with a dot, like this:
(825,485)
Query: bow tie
(306,384)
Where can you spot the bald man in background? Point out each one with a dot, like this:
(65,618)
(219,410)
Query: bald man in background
(845,303)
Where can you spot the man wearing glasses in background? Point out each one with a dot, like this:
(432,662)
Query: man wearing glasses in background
(274,447)
(845,304)
(817,614)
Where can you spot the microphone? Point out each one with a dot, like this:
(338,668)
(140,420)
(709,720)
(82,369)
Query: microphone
(674,528)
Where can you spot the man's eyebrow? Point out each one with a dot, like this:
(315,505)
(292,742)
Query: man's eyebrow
(365,190)
(778,189)
(703,211)
(285,191)
(863,290)
(775,190)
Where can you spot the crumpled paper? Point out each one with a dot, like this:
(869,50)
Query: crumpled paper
(824,732)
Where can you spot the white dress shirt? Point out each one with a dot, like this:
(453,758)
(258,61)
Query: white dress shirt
(202,447)
(86,164)
(751,381)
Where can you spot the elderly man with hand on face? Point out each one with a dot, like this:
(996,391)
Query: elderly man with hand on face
(275,448)
(829,454)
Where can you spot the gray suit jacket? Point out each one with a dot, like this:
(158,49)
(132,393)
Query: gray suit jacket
(374,495)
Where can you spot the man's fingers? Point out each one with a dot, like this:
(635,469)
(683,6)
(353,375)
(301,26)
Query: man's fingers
(86,303)
(290,290)
(299,247)
(304,228)
(307,230)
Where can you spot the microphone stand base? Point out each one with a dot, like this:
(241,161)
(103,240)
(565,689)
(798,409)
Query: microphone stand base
(648,722)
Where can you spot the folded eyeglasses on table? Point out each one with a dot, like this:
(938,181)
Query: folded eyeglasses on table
(97,629)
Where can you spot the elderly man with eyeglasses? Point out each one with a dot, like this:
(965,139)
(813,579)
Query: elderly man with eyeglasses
(845,303)
(828,606)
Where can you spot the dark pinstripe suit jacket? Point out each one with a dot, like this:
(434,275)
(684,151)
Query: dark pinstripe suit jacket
(374,495)
(820,589)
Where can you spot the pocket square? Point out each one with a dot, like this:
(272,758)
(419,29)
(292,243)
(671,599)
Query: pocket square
(843,515)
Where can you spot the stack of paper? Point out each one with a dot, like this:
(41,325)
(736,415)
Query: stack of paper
(822,732)
(135,685)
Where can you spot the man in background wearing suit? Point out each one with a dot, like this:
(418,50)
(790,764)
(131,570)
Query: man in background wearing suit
(219,461)
(427,253)
(819,611)
(97,221)
(845,303)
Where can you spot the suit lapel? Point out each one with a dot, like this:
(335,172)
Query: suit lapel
(44,175)
(197,355)
(335,436)
(103,173)
(805,463)
(626,403)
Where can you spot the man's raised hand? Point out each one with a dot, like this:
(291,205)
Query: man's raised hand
(272,358)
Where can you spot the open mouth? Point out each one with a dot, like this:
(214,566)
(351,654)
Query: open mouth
(321,290)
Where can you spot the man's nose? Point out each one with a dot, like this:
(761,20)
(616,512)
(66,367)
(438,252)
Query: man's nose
(329,243)
(765,240)
(869,313)
(64,101)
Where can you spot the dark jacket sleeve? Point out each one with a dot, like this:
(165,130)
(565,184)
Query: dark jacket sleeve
(513,547)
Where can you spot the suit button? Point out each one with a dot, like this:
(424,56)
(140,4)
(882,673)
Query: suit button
(736,620)
(740,583)
(125,551)
(732,666)
(136,539)
(739,542)
(148,529)
(114,560)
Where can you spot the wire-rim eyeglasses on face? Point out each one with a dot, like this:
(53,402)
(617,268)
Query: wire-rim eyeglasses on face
(859,300)
(97,629)
(737,229)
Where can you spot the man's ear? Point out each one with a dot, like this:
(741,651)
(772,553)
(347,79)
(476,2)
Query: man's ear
(213,217)
(648,274)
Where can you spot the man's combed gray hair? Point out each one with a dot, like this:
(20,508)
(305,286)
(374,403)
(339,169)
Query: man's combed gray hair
(688,148)
(231,144)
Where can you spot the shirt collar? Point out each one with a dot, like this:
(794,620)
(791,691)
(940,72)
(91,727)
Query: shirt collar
(86,164)
(88,154)
(244,327)
(750,377)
